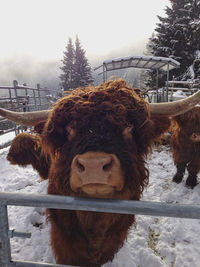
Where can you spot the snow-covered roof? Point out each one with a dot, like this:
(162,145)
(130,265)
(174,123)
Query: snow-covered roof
(145,62)
(197,54)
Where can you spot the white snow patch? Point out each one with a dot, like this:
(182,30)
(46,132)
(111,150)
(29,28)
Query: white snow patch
(6,137)
(179,93)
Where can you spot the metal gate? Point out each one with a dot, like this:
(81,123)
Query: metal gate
(83,204)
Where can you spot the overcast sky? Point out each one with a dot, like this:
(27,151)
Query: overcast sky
(41,28)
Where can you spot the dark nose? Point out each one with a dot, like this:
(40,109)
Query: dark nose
(93,167)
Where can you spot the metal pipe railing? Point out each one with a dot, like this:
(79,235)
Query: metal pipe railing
(102,205)
(83,204)
(34,264)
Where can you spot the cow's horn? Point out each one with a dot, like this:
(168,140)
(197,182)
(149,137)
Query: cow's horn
(25,118)
(176,107)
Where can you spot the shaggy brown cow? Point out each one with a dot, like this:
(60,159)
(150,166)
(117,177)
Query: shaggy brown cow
(92,143)
(185,142)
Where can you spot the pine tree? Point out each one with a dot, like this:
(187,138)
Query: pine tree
(194,9)
(67,77)
(177,35)
(148,77)
(82,68)
(76,69)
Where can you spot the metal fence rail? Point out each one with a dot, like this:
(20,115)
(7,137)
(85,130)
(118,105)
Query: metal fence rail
(83,204)
(24,98)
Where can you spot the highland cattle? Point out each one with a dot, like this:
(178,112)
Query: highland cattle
(185,142)
(93,143)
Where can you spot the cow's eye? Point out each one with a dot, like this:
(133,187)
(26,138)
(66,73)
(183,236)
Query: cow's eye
(127,132)
(91,131)
(71,132)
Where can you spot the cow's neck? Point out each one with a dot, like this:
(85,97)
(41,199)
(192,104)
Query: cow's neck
(95,225)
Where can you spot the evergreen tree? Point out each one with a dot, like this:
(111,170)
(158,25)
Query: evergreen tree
(67,77)
(148,77)
(82,69)
(177,35)
(76,69)
(194,9)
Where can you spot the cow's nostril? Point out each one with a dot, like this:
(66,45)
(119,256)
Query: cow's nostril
(108,166)
(80,167)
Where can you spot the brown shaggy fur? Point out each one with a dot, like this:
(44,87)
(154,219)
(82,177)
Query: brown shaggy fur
(98,116)
(26,149)
(186,153)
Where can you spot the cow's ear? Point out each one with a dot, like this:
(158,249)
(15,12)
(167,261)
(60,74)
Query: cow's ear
(26,149)
(38,128)
(150,131)
(160,125)
(156,126)
(181,120)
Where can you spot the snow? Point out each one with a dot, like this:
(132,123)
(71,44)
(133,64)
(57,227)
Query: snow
(179,94)
(153,242)
(150,62)
(6,137)
(191,72)
(189,81)
(197,52)
(145,58)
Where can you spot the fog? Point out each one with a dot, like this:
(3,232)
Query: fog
(29,70)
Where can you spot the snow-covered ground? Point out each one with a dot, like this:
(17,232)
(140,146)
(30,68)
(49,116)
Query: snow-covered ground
(154,242)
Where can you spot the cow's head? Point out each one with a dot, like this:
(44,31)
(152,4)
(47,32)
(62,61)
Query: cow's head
(188,124)
(96,139)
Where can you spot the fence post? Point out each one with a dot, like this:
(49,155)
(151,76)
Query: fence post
(15,85)
(5,252)
(38,87)
(10,98)
(35,101)
(27,98)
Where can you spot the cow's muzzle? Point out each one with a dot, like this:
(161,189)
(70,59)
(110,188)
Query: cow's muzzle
(96,174)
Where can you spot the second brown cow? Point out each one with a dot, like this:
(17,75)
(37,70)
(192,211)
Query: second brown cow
(185,143)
